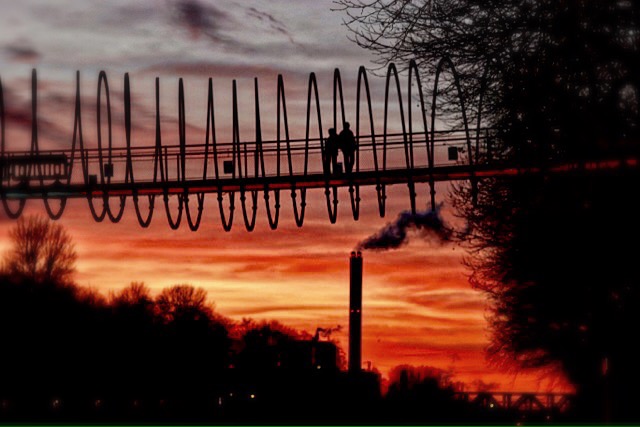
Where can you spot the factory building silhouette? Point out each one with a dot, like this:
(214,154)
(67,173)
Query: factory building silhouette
(355,312)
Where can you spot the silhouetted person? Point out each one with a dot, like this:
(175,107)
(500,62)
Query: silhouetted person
(348,146)
(332,146)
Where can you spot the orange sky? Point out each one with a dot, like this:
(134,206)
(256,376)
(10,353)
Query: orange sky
(418,307)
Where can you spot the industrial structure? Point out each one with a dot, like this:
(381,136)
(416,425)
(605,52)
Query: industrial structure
(108,176)
(355,312)
(182,175)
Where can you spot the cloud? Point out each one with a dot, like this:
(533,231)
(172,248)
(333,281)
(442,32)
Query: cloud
(450,300)
(53,111)
(22,53)
(388,315)
(271,310)
(273,23)
(247,30)
(201,19)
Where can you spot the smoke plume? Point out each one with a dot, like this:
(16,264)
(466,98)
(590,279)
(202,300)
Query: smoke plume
(429,224)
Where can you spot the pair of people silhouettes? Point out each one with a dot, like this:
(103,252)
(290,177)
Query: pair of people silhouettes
(345,142)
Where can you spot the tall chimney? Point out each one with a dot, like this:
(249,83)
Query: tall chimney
(355,312)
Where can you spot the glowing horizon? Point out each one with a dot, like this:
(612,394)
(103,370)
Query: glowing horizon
(418,307)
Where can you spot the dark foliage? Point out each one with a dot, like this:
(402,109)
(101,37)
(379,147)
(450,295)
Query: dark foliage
(561,83)
(64,352)
(70,355)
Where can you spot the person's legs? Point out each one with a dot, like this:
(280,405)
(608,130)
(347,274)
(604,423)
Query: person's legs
(348,160)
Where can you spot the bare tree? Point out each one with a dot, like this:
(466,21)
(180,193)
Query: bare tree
(137,293)
(561,83)
(41,251)
(579,54)
(183,302)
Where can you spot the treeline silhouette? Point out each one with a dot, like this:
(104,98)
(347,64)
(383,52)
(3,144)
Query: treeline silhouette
(68,347)
(71,354)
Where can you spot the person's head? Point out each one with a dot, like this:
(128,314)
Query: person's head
(332,131)
(347,125)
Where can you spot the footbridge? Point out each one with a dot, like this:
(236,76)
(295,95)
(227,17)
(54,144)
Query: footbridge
(182,174)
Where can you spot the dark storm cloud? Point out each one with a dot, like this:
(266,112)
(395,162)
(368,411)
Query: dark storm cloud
(22,52)
(18,112)
(202,19)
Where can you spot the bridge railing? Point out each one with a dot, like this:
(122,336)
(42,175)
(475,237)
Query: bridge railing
(53,165)
(25,167)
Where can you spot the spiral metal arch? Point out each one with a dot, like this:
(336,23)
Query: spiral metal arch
(144,223)
(446,61)
(244,172)
(355,195)
(430,146)
(241,148)
(393,72)
(106,180)
(193,224)
(35,147)
(5,203)
(272,219)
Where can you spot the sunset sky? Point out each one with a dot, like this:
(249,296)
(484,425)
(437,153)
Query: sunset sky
(418,307)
